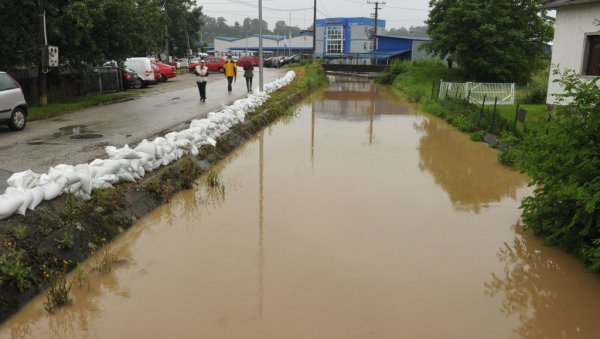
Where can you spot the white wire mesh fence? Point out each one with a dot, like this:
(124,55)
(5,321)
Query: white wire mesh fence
(478,92)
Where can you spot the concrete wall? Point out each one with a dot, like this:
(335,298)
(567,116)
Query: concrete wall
(572,25)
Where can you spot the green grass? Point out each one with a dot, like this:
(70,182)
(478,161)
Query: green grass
(536,118)
(58,108)
(416,80)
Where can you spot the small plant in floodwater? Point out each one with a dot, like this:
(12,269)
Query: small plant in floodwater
(81,276)
(189,172)
(20,231)
(105,261)
(213,179)
(161,190)
(14,270)
(57,294)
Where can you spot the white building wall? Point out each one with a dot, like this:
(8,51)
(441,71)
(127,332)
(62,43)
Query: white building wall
(320,31)
(360,39)
(572,24)
(223,46)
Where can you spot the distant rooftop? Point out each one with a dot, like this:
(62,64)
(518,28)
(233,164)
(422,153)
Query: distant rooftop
(565,3)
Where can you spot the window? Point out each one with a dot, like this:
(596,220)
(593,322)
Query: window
(335,39)
(7,82)
(592,55)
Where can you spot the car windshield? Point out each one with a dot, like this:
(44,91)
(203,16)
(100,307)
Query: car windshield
(6,82)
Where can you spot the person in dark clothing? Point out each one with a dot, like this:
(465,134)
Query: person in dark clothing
(249,74)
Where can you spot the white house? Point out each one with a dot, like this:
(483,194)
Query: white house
(576,40)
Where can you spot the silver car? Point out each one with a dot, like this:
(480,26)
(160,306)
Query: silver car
(13,107)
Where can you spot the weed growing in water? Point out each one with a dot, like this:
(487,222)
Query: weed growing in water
(213,179)
(57,294)
(20,232)
(81,276)
(189,172)
(105,261)
(160,190)
(14,269)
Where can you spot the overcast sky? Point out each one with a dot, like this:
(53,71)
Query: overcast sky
(396,13)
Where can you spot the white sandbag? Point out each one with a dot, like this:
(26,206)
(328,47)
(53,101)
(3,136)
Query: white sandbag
(125,176)
(83,171)
(72,188)
(25,179)
(27,197)
(146,147)
(37,197)
(51,190)
(8,206)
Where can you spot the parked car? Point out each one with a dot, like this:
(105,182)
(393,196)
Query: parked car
(144,69)
(268,62)
(156,71)
(166,71)
(130,79)
(183,63)
(13,107)
(276,61)
(294,59)
(213,63)
(193,63)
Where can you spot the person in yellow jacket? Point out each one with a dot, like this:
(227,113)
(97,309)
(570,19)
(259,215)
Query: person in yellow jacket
(230,71)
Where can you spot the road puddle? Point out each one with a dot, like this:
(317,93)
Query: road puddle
(357,218)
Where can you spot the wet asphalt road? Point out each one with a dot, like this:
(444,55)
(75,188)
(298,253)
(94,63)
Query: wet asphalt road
(80,137)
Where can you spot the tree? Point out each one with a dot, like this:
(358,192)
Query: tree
(18,33)
(490,40)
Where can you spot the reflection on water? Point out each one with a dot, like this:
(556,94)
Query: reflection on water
(356,218)
(467,171)
(538,287)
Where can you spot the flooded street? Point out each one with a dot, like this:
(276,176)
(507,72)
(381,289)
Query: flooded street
(358,217)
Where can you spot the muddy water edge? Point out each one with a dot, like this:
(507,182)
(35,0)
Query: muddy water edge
(358,217)
(63,232)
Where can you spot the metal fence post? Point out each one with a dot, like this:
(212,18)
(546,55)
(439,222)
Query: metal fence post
(516,116)
(493,129)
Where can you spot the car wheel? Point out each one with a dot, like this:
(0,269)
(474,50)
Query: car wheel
(18,120)
(163,77)
(137,84)
(221,70)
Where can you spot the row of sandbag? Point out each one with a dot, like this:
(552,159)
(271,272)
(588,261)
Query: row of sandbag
(27,189)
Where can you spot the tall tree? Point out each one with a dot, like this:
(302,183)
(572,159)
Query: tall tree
(501,40)
(18,33)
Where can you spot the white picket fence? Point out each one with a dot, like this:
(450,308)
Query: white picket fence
(477,92)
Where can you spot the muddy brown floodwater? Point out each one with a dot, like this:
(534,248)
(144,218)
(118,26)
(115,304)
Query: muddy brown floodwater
(357,218)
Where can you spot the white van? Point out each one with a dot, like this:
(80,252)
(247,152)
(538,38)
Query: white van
(143,67)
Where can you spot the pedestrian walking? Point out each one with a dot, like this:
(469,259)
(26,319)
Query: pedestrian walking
(230,71)
(201,72)
(249,74)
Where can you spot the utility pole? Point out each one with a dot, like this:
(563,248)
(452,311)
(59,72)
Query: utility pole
(315,30)
(376,3)
(42,83)
(260,47)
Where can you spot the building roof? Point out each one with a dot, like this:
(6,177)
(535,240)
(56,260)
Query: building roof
(419,38)
(565,3)
(384,53)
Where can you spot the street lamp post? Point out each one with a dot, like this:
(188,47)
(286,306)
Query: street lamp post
(260,47)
